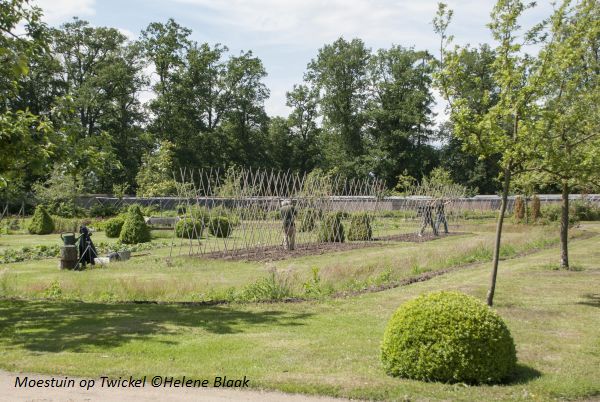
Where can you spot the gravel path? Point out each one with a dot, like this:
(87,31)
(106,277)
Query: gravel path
(10,393)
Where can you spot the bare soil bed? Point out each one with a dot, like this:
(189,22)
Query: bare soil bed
(275,253)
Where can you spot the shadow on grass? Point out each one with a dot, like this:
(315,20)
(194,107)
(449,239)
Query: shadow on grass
(74,326)
(591,299)
(523,374)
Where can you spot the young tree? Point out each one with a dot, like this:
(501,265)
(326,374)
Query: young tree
(494,129)
(246,119)
(565,140)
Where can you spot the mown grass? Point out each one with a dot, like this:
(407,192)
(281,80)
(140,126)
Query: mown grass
(327,347)
(153,276)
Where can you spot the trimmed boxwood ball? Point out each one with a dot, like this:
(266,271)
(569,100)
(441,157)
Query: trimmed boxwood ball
(42,222)
(360,228)
(189,228)
(113,226)
(450,337)
(220,226)
(134,229)
(332,229)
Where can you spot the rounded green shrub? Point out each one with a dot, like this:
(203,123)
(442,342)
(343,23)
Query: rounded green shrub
(113,226)
(134,229)
(196,213)
(274,215)
(450,337)
(360,228)
(332,229)
(42,222)
(220,226)
(150,210)
(189,228)
(230,214)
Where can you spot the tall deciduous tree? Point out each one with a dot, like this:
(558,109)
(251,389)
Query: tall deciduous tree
(303,100)
(26,145)
(399,112)
(339,72)
(246,119)
(96,107)
(565,144)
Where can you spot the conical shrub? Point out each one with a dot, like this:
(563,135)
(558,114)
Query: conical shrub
(536,212)
(519,209)
(360,228)
(332,229)
(42,222)
(134,229)
(308,219)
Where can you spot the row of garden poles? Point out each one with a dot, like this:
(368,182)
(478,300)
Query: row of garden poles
(251,200)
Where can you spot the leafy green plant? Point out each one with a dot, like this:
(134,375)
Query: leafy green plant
(360,228)
(134,229)
(63,225)
(150,210)
(308,218)
(42,222)
(314,287)
(53,291)
(220,226)
(450,337)
(275,286)
(103,210)
(189,228)
(113,227)
(552,213)
(332,229)
(585,211)
(274,215)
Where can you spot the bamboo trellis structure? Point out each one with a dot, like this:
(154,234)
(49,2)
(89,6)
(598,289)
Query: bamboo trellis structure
(251,201)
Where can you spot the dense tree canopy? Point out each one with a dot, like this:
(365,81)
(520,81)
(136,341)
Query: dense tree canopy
(88,105)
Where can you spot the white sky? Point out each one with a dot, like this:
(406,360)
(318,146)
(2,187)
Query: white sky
(286,34)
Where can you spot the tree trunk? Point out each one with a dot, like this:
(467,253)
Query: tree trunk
(505,188)
(564,227)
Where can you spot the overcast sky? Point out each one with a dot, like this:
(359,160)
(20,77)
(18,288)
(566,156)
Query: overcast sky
(286,34)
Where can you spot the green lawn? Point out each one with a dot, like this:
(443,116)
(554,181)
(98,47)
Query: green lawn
(152,276)
(326,347)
